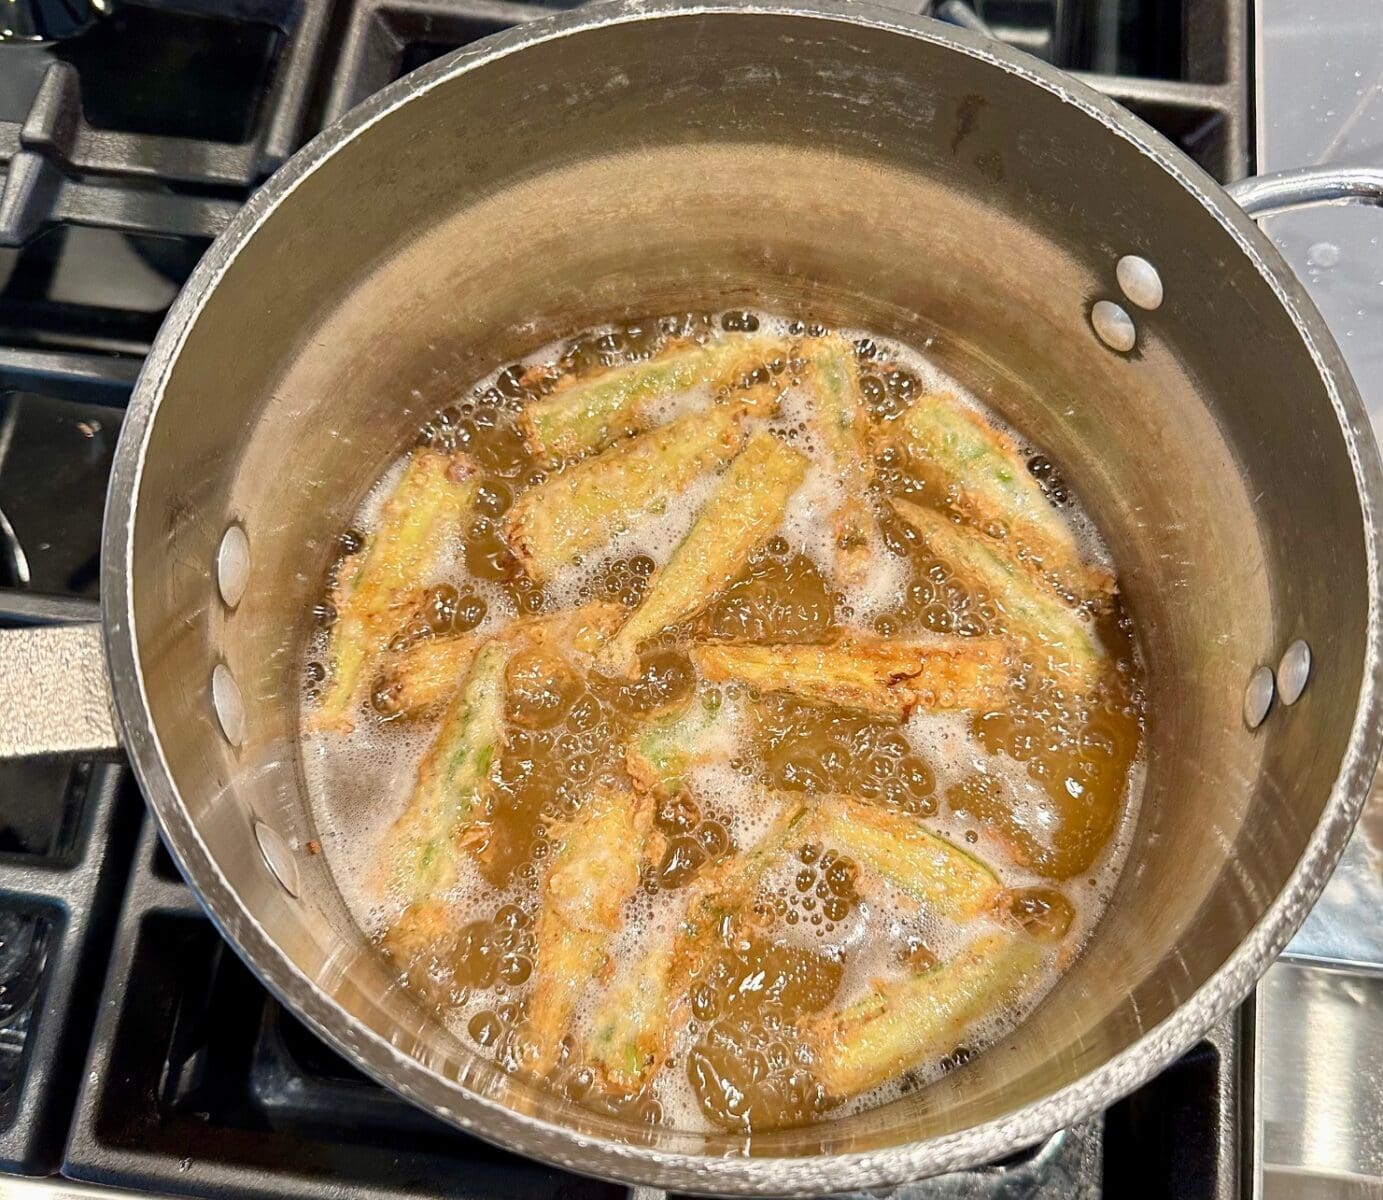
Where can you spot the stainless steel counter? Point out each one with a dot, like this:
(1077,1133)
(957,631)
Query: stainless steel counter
(1319,1037)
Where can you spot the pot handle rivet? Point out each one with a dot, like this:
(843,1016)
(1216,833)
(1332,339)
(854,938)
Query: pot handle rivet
(1113,326)
(226,700)
(1293,671)
(1139,281)
(1258,697)
(277,857)
(233,565)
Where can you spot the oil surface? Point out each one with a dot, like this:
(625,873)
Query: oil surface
(1040,786)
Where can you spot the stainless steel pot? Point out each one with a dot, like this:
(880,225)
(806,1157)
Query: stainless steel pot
(819,158)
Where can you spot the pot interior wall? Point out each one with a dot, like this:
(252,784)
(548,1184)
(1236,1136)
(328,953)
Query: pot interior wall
(836,171)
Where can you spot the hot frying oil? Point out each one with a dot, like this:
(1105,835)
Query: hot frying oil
(1039,787)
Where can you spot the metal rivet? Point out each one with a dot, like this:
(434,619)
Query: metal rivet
(233,565)
(1113,325)
(1258,697)
(230,708)
(1293,671)
(1139,281)
(277,857)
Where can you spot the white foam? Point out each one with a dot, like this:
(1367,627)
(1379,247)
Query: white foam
(677,1097)
(945,741)
(679,404)
(807,523)
(883,589)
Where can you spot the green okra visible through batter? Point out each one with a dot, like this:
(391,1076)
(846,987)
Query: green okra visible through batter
(646,1006)
(588,413)
(582,507)
(985,478)
(949,881)
(594,873)
(420,854)
(909,1021)
(665,748)
(843,427)
(748,504)
(426,507)
(1029,610)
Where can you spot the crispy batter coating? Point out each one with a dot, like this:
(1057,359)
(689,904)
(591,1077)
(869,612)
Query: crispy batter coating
(641,1013)
(419,680)
(420,853)
(579,509)
(985,478)
(1029,610)
(902,1023)
(428,504)
(747,506)
(843,426)
(665,748)
(594,872)
(589,413)
(873,674)
(949,881)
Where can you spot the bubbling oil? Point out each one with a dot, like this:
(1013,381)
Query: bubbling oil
(1042,788)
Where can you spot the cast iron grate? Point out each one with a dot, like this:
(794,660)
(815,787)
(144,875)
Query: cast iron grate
(111,190)
(65,834)
(66,828)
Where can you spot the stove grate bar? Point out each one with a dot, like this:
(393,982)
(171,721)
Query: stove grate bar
(73,897)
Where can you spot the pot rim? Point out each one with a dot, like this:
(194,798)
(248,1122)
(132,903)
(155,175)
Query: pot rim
(558,1144)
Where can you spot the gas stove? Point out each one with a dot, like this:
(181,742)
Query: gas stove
(136,1050)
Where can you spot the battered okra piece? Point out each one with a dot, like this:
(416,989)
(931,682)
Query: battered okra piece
(420,855)
(909,1022)
(587,414)
(1029,610)
(637,1020)
(417,681)
(419,944)
(583,507)
(428,504)
(664,749)
(985,478)
(578,633)
(642,1012)
(873,674)
(747,505)
(423,926)
(895,847)
(759,399)
(594,872)
(843,427)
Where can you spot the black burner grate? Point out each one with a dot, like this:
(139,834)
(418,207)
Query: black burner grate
(113,188)
(122,153)
(65,833)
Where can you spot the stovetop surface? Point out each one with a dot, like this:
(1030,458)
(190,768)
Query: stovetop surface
(136,1050)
